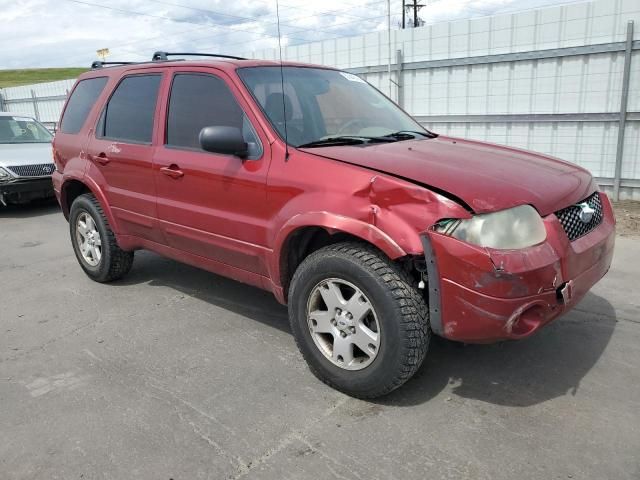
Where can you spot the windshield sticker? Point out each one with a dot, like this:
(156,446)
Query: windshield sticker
(351,77)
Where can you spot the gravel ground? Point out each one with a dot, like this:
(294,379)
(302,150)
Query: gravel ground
(628,218)
(175,373)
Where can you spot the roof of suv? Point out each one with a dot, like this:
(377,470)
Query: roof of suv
(222,63)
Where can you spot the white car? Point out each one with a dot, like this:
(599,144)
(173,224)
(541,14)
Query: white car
(26,163)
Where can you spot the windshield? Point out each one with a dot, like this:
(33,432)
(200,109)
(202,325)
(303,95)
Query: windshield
(22,130)
(322,104)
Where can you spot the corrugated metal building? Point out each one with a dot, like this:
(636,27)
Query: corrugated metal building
(549,80)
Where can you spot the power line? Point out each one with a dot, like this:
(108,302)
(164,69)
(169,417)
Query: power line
(312,41)
(333,27)
(161,17)
(322,13)
(315,14)
(415,6)
(220,27)
(169,19)
(244,42)
(253,19)
(231,30)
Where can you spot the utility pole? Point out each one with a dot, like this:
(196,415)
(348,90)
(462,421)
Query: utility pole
(415,6)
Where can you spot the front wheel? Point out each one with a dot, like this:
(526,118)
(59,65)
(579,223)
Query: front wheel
(360,323)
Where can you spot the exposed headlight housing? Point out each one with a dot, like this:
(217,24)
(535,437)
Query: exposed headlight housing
(516,227)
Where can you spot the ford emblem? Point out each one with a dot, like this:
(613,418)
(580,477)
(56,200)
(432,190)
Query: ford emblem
(586,212)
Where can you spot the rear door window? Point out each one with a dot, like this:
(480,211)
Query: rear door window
(82,99)
(131,109)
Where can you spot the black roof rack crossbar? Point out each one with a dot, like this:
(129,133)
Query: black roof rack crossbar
(163,56)
(100,64)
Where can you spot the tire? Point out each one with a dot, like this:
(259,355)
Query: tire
(111,262)
(397,306)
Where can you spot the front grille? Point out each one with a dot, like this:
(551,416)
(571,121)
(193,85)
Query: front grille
(41,170)
(569,217)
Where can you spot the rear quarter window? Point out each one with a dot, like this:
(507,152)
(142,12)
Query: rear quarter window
(82,99)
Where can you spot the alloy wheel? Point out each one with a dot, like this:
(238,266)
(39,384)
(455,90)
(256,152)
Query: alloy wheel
(88,238)
(343,324)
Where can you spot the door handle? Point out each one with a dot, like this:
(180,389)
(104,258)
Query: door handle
(172,171)
(101,158)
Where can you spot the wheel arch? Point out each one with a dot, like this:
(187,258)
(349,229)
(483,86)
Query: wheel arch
(306,233)
(72,188)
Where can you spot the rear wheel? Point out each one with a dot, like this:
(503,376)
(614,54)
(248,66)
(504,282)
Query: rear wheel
(94,243)
(360,323)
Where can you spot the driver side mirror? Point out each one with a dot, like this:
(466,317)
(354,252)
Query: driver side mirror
(225,140)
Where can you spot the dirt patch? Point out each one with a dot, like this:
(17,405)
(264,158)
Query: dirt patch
(628,218)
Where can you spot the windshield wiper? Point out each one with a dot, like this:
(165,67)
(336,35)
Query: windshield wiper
(409,134)
(346,140)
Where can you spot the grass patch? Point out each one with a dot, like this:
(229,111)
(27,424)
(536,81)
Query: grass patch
(15,78)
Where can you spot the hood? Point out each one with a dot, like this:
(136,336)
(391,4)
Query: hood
(14,154)
(485,176)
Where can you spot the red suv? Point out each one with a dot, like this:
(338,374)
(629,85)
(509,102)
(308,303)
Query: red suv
(309,182)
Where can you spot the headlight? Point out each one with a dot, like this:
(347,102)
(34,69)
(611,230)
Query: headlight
(4,175)
(517,227)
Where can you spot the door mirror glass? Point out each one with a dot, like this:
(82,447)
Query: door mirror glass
(224,140)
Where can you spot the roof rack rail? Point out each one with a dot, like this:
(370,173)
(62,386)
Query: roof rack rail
(100,64)
(163,56)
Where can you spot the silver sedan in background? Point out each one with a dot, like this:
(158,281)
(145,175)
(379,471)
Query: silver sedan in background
(26,164)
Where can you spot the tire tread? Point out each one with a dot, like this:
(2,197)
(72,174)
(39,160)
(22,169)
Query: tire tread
(121,261)
(413,319)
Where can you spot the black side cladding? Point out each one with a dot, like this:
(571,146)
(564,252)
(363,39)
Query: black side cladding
(433,287)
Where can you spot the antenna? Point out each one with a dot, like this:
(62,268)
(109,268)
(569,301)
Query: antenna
(284,104)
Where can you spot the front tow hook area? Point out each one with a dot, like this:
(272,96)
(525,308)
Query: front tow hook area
(565,292)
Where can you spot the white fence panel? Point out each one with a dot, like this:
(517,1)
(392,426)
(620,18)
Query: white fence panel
(452,81)
(548,79)
(43,101)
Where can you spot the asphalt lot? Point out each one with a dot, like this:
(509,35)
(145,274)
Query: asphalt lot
(175,373)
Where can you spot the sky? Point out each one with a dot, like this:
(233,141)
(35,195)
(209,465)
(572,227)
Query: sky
(67,33)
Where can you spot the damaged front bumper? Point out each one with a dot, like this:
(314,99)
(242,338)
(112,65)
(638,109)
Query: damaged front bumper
(481,295)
